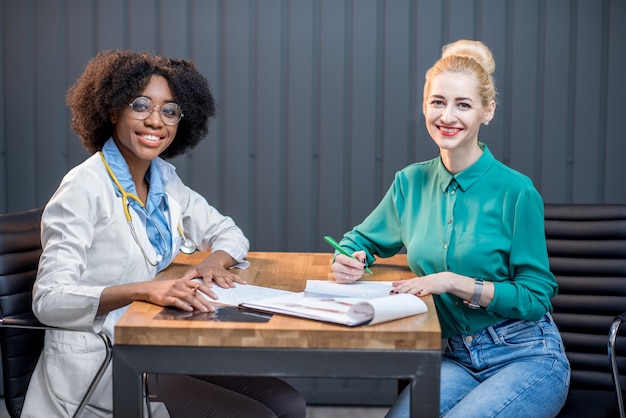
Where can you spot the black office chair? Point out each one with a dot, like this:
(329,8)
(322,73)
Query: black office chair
(21,334)
(587,251)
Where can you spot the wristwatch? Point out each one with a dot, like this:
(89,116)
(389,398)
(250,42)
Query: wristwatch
(478,292)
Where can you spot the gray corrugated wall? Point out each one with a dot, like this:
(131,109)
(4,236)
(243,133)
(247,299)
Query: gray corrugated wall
(320,103)
(320,100)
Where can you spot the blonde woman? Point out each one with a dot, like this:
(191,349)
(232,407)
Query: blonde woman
(473,230)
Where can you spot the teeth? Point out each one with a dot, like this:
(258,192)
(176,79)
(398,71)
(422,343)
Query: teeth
(151,137)
(448,130)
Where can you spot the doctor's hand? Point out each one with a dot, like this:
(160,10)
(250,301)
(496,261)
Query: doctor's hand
(349,270)
(183,294)
(214,268)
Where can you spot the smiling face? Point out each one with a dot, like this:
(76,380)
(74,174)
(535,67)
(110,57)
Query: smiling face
(140,141)
(453,112)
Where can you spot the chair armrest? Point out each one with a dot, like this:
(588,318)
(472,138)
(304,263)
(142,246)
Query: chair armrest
(617,323)
(621,317)
(30,323)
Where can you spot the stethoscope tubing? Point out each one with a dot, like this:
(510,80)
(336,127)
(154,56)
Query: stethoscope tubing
(187,245)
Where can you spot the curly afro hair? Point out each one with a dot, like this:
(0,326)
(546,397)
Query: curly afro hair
(114,78)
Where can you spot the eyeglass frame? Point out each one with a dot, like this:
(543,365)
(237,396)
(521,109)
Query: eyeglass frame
(151,108)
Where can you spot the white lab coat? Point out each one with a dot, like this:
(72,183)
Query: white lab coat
(87,246)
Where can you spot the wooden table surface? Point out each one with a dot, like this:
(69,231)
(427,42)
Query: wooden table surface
(288,271)
(408,348)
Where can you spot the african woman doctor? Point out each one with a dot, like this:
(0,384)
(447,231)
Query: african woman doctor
(119,218)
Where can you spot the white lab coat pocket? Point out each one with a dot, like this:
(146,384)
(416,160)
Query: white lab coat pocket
(71,360)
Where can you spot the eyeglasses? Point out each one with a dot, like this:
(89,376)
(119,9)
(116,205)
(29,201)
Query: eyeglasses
(142,108)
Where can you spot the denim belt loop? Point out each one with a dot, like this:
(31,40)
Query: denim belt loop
(494,334)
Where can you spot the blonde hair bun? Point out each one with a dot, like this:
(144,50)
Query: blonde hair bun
(471,49)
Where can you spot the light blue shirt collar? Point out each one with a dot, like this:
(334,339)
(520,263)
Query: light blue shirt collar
(159,174)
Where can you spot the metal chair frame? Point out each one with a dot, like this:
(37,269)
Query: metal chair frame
(36,325)
(617,323)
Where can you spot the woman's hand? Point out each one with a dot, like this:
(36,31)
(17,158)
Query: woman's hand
(189,294)
(182,293)
(214,268)
(349,270)
(444,282)
(185,293)
(436,283)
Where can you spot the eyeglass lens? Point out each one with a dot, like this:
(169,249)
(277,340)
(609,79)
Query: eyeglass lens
(170,113)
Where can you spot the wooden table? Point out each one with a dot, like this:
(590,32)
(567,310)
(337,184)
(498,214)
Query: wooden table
(408,348)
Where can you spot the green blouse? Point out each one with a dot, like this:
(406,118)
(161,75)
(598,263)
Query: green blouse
(486,222)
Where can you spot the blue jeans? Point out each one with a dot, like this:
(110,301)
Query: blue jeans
(511,369)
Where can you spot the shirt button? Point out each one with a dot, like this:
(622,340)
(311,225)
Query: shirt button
(469,339)
(445,246)
(453,192)
(450,220)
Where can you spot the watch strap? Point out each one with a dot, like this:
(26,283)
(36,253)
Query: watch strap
(478,292)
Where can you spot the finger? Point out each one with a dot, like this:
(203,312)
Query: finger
(348,261)
(227,279)
(401,283)
(194,273)
(340,271)
(346,277)
(224,282)
(360,255)
(206,291)
(200,302)
(183,306)
(340,278)
(354,266)
(191,285)
(350,278)
(411,290)
(203,305)
(191,274)
(238,279)
(182,302)
(398,288)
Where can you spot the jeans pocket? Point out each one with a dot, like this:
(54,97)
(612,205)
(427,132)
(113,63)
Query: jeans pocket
(521,334)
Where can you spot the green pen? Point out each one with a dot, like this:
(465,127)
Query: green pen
(342,250)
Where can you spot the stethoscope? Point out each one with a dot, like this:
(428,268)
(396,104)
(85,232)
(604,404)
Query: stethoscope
(187,246)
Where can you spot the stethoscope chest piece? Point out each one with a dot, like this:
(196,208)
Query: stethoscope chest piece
(187,246)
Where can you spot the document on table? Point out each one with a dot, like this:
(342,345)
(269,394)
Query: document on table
(359,303)
(359,289)
(241,293)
